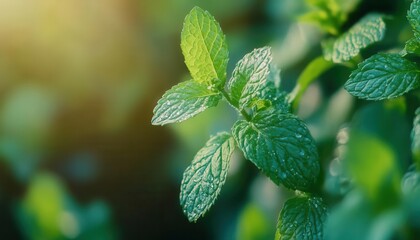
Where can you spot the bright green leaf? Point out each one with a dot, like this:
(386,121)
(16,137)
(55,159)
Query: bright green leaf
(249,77)
(383,76)
(347,6)
(281,146)
(413,16)
(368,30)
(184,101)
(302,218)
(204,178)
(415,136)
(323,20)
(204,47)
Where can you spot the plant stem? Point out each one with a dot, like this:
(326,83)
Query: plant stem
(312,71)
(229,100)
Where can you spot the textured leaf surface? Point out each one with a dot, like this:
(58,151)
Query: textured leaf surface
(383,76)
(415,136)
(184,101)
(281,146)
(367,31)
(204,47)
(413,16)
(273,94)
(204,178)
(276,97)
(302,218)
(249,76)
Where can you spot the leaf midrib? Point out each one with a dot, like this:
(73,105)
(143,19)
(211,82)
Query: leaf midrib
(204,43)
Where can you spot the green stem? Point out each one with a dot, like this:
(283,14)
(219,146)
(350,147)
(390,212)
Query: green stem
(314,69)
(230,101)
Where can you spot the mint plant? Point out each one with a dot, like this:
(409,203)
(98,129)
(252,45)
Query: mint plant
(267,133)
(384,75)
(275,140)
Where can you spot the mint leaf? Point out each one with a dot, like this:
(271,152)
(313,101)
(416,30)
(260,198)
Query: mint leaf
(413,46)
(323,19)
(415,136)
(329,15)
(204,47)
(368,30)
(271,94)
(327,48)
(249,76)
(302,218)
(413,16)
(277,98)
(281,146)
(383,76)
(184,101)
(204,178)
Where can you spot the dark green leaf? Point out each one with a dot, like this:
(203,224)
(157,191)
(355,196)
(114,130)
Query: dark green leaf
(204,47)
(272,92)
(184,101)
(302,218)
(383,76)
(249,77)
(413,16)
(204,178)
(281,146)
(368,30)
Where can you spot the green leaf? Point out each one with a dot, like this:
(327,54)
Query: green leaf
(204,178)
(347,6)
(184,101)
(302,218)
(329,15)
(368,30)
(281,146)
(327,48)
(273,94)
(383,76)
(413,16)
(277,98)
(322,19)
(415,136)
(413,46)
(249,77)
(204,47)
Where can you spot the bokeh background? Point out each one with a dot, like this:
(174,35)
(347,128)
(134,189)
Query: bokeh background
(79,79)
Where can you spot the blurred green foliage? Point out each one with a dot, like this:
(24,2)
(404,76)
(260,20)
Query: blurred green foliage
(80,160)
